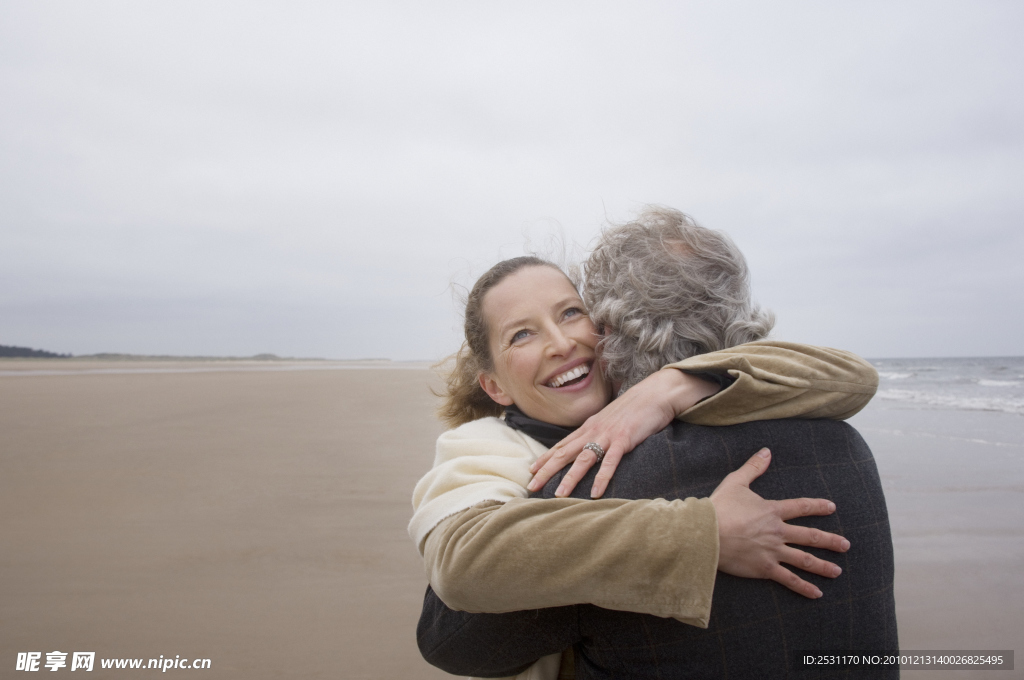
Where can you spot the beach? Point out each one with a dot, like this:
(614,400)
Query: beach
(954,486)
(251,515)
(254,514)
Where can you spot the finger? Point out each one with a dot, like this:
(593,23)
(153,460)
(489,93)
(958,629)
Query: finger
(539,463)
(556,461)
(780,574)
(808,562)
(753,468)
(558,449)
(804,507)
(608,466)
(579,468)
(814,538)
(543,475)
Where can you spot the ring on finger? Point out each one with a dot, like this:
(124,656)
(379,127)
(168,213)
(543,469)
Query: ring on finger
(596,448)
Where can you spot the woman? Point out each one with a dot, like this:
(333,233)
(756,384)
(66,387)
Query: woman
(531,353)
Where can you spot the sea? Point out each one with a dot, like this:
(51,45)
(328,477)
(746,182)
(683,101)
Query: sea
(948,425)
(948,438)
(965,384)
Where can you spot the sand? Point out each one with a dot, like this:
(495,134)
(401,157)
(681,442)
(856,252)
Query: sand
(954,486)
(255,516)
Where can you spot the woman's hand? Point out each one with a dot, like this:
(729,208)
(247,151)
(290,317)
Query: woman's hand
(642,410)
(752,533)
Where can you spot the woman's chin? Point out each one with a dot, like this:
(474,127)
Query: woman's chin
(581,406)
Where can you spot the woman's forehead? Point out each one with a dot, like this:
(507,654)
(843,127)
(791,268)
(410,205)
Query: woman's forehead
(528,291)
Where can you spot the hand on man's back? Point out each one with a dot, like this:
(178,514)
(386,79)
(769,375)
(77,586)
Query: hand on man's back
(753,534)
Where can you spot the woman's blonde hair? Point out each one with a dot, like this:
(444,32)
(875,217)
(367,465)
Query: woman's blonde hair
(464,399)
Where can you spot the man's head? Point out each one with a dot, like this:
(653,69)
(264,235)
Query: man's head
(664,288)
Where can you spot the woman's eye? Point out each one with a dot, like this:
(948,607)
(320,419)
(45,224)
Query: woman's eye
(573,311)
(519,336)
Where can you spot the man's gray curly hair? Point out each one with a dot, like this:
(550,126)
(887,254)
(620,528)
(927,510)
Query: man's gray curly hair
(665,288)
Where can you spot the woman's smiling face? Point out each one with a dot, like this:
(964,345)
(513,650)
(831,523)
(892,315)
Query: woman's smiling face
(543,348)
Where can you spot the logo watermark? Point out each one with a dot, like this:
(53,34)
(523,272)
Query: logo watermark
(910,659)
(86,661)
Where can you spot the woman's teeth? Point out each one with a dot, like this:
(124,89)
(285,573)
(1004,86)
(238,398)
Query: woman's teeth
(575,373)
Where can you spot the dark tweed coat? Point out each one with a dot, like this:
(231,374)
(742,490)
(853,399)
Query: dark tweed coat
(757,627)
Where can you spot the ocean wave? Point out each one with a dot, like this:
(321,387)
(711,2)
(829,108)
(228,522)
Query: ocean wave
(998,383)
(893,376)
(963,403)
(939,435)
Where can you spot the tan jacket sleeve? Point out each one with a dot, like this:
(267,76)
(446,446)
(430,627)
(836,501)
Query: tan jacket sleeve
(782,380)
(651,556)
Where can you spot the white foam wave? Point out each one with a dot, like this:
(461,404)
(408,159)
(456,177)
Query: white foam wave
(998,383)
(937,435)
(893,376)
(950,401)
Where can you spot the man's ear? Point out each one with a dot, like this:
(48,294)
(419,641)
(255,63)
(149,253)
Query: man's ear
(493,390)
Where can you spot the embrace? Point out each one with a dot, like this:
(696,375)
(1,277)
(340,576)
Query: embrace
(629,470)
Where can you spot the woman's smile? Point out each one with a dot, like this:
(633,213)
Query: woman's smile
(575,374)
(543,346)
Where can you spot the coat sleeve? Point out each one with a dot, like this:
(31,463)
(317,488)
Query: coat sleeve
(774,379)
(649,556)
(492,645)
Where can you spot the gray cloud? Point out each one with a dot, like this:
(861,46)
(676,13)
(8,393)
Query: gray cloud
(307,178)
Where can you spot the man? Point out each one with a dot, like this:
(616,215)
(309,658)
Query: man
(664,289)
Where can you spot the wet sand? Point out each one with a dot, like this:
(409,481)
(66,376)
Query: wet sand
(954,485)
(256,518)
(255,515)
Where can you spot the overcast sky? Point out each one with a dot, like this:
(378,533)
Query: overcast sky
(308,178)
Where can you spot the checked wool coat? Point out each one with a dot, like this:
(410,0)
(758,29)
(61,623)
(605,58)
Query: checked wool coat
(757,627)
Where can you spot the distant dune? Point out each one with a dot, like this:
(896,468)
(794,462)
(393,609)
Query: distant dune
(11,351)
(117,356)
(27,352)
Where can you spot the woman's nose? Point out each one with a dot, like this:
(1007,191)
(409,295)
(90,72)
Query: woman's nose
(560,343)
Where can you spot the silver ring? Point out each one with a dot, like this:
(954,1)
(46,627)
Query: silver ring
(596,448)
